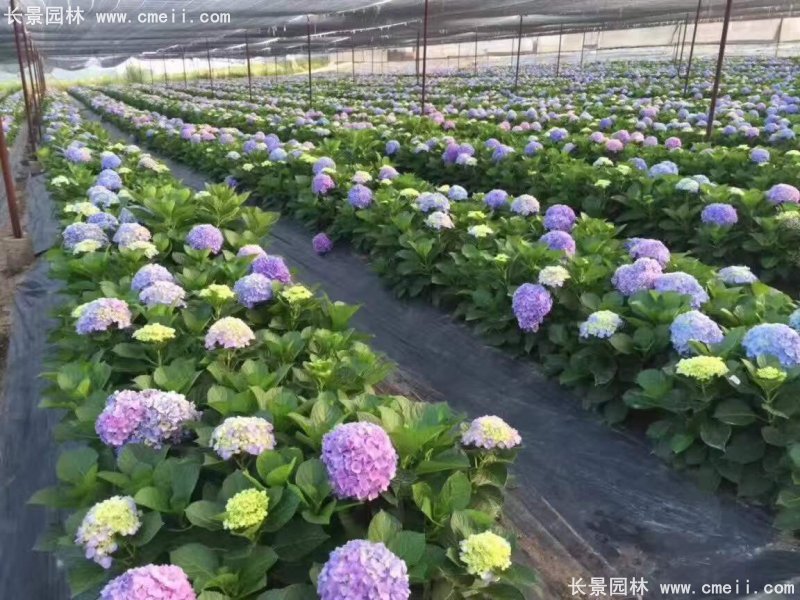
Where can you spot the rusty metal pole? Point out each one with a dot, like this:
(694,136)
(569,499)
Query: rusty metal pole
(249,73)
(372,61)
(558,59)
(210,74)
(8,180)
(37,108)
(718,75)
(519,51)
(25,92)
(778,38)
(183,60)
(416,59)
(424,59)
(353,60)
(683,43)
(164,64)
(583,43)
(476,53)
(691,49)
(308,41)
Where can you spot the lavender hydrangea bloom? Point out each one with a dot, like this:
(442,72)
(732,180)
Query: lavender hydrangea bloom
(165,582)
(638,163)
(737,275)
(719,214)
(501,152)
(242,435)
(359,196)
(615,146)
(101,196)
(230,333)
(273,267)
(774,340)
(663,168)
(559,240)
(639,276)
(322,183)
(457,193)
(759,156)
(109,179)
(672,143)
(250,250)
(684,284)
(321,243)
(388,172)
(126,216)
(253,289)
(392,147)
(525,205)
(323,163)
(105,221)
(149,417)
(693,326)
(101,314)
(128,233)
(496,199)
(532,148)
(531,304)
(783,193)
(109,160)
(163,293)
(362,570)
(360,460)
(648,248)
(559,217)
(794,320)
(76,233)
(205,237)
(490,433)
(278,155)
(148,275)
(77,153)
(428,201)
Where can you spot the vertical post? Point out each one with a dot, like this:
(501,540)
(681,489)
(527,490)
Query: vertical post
(164,63)
(476,53)
(249,73)
(372,61)
(308,39)
(40,66)
(208,58)
(337,61)
(718,75)
(34,86)
(150,66)
(558,59)
(458,58)
(691,49)
(677,43)
(683,42)
(519,51)
(778,38)
(25,93)
(416,59)
(183,60)
(8,179)
(275,63)
(583,43)
(424,58)
(353,60)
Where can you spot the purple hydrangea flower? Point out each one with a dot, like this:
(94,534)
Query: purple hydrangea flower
(558,134)
(638,163)
(242,435)
(759,156)
(672,143)
(663,168)
(360,460)
(231,182)
(323,163)
(428,201)
(559,240)
(501,152)
(76,233)
(148,275)
(272,267)
(719,214)
(77,153)
(388,172)
(693,326)
(457,193)
(525,205)
(560,217)
(165,582)
(253,289)
(321,243)
(128,233)
(322,183)
(149,417)
(359,196)
(105,221)
(205,237)
(639,276)
(163,293)
(230,333)
(109,160)
(774,340)
(496,199)
(532,148)
(102,197)
(109,179)
(684,284)
(362,570)
(615,146)
(531,304)
(783,193)
(737,275)
(101,314)
(648,248)
(392,147)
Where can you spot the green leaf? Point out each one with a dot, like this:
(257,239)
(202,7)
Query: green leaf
(298,540)
(456,492)
(383,527)
(75,466)
(735,411)
(153,498)
(312,479)
(205,513)
(151,525)
(408,545)
(296,591)
(715,433)
(209,595)
(449,460)
(280,475)
(199,562)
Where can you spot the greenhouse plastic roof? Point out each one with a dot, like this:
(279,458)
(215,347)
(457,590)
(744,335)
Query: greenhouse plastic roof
(277,27)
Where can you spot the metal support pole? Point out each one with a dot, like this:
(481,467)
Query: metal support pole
(210,74)
(353,61)
(691,49)
(519,51)
(416,59)
(718,75)
(424,58)
(778,38)
(275,63)
(164,63)
(476,53)
(677,43)
(558,59)
(337,62)
(372,61)
(8,180)
(25,92)
(683,43)
(308,40)
(36,101)
(183,60)
(249,74)
(583,43)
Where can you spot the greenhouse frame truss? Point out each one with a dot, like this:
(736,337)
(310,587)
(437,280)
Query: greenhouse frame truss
(276,29)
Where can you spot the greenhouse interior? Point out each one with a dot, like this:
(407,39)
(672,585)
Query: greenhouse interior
(399,299)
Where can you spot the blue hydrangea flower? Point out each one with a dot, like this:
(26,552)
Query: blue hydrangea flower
(253,289)
(109,160)
(693,326)
(496,199)
(759,156)
(637,277)
(76,233)
(774,340)
(719,214)
(737,275)
(457,193)
(205,237)
(101,196)
(663,168)
(684,284)
(109,179)
(525,205)
(392,147)
(359,196)
(559,240)
(106,221)
(148,275)
(272,267)
(428,201)
(559,217)
(531,304)
(794,320)
(648,248)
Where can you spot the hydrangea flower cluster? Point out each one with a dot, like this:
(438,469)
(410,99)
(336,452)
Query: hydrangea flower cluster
(321,243)
(242,435)
(250,250)
(97,533)
(76,233)
(360,460)
(774,340)
(246,509)
(148,275)
(359,196)
(273,267)
(719,214)
(149,417)
(601,324)
(553,276)
(648,248)
(205,237)
(559,217)
(230,333)
(362,570)
(637,277)
(105,221)
(485,554)
(322,183)
(736,275)
(439,220)
(490,432)
(531,304)
(428,202)
(783,193)
(163,293)
(496,199)
(684,284)
(701,368)
(101,314)
(693,326)
(154,333)
(559,241)
(109,179)
(130,233)
(101,196)
(253,289)
(164,582)
(525,205)
(794,320)
(457,193)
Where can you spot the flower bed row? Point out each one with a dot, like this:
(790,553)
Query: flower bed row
(11,111)
(233,442)
(711,356)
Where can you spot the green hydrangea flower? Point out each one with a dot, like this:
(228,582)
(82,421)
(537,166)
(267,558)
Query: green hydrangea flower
(154,333)
(771,374)
(246,509)
(485,554)
(702,368)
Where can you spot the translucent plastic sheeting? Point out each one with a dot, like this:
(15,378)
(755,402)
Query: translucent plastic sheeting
(112,30)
